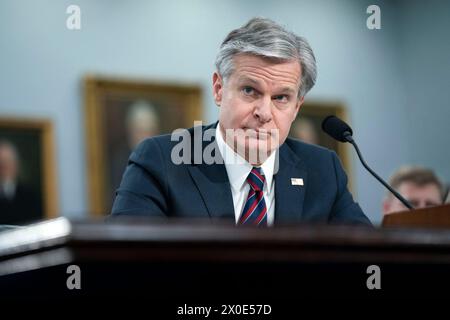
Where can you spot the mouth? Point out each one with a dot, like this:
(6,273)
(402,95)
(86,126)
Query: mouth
(262,134)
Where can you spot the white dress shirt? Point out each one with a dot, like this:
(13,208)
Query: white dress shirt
(8,189)
(238,170)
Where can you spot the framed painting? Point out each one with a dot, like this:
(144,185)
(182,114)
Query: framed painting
(28,191)
(308,128)
(120,113)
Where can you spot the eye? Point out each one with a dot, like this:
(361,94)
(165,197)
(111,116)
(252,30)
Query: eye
(414,203)
(248,90)
(282,98)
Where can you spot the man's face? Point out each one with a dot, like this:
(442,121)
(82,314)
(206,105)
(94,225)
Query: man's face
(259,98)
(419,196)
(8,164)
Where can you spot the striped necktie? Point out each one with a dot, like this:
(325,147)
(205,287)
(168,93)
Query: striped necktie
(255,210)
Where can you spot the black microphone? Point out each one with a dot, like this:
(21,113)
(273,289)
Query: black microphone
(341,131)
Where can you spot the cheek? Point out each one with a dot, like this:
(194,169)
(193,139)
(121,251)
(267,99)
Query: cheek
(283,121)
(236,112)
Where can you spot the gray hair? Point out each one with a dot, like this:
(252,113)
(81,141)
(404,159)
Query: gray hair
(264,37)
(417,175)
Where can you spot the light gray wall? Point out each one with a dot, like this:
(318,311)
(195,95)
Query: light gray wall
(425,52)
(371,71)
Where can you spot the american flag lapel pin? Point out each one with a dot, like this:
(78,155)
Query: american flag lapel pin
(297,181)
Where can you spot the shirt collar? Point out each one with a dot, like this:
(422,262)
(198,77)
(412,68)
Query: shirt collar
(238,168)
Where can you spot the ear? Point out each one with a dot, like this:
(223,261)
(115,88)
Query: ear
(298,106)
(217,88)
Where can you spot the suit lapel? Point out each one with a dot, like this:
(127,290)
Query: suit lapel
(289,198)
(213,185)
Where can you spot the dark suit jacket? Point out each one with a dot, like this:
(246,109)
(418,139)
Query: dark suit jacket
(23,208)
(153,185)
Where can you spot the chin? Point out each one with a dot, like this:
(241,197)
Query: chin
(254,150)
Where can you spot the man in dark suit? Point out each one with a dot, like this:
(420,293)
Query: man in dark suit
(244,167)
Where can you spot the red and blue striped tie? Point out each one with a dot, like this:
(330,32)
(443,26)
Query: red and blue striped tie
(255,210)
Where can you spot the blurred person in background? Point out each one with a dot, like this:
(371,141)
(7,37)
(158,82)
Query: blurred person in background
(419,185)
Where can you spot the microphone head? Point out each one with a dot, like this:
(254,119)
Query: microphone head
(336,128)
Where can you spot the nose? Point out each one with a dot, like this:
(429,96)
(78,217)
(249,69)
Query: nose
(263,110)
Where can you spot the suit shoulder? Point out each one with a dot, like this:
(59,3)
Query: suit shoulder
(165,143)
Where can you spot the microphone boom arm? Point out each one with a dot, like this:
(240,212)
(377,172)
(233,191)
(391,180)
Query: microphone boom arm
(348,136)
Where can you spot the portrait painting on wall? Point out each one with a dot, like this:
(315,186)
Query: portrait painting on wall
(308,128)
(120,114)
(27,171)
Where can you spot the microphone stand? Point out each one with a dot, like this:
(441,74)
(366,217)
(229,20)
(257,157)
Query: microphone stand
(348,136)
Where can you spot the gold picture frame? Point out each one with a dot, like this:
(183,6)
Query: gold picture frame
(33,143)
(119,113)
(307,127)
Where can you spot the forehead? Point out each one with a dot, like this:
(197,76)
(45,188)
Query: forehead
(262,70)
(412,190)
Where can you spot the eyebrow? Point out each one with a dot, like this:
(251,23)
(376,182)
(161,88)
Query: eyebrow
(286,90)
(247,79)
